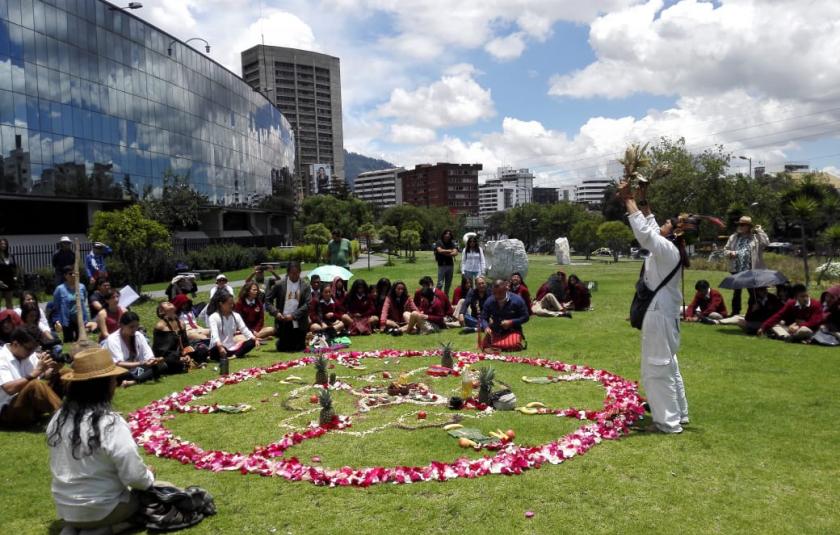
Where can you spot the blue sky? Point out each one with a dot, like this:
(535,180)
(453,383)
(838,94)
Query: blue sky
(557,85)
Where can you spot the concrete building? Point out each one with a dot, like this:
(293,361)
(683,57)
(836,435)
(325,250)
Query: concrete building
(444,184)
(545,195)
(381,188)
(306,87)
(521,181)
(592,191)
(494,196)
(111,105)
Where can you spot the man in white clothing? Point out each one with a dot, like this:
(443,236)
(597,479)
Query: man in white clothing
(661,326)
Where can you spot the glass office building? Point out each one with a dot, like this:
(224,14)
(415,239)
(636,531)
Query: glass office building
(96,104)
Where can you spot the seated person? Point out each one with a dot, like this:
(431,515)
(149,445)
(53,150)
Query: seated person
(707,304)
(29,297)
(578,294)
(184,307)
(517,286)
(761,306)
(398,309)
(830,300)
(224,325)
(505,313)
(108,317)
(325,314)
(360,309)
(48,339)
(251,306)
(552,298)
(473,305)
(96,469)
(797,320)
(427,282)
(432,312)
(380,294)
(339,290)
(170,341)
(181,284)
(288,302)
(459,296)
(129,349)
(30,385)
(315,285)
(9,321)
(221,284)
(97,297)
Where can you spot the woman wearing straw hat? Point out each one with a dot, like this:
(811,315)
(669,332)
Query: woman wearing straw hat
(745,250)
(96,470)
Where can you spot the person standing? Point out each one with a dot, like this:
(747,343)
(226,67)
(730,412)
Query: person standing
(339,250)
(63,256)
(97,472)
(95,262)
(661,376)
(64,305)
(472,263)
(745,250)
(445,252)
(8,272)
(288,302)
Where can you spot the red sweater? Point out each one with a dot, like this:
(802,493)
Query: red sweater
(364,307)
(390,311)
(440,295)
(318,311)
(253,315)
(810,316)
(457,295)
(582,299)
(434,310)
(522,291)
(707,305)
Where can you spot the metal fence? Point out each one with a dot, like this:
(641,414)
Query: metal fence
(30,258)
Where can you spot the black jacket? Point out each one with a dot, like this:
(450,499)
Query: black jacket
(276,299)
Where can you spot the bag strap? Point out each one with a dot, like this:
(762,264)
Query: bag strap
(667,279)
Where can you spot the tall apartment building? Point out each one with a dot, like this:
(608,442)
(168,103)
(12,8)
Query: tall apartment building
(381,188)
(493,196)
(592,191)
(443,184)
(521,181)
(306,87)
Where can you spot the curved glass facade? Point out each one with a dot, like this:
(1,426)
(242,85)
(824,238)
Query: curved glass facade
(93,106)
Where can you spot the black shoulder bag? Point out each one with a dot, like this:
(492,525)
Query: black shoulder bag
(644,296)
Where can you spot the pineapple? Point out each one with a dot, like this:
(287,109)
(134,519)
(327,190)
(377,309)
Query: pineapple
(446,358)
(486,378)
(321,363)
(327,413)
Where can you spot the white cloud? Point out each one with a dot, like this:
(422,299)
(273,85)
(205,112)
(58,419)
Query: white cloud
(454,100)
(832,170)
(507,48)
(411,135)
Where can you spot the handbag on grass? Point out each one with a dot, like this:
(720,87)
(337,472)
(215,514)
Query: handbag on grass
(644,295)
(509,341)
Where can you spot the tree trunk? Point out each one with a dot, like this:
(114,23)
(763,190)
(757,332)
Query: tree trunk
(805,254)
(368,248)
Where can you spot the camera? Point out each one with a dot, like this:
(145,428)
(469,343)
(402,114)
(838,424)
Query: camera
(62,358)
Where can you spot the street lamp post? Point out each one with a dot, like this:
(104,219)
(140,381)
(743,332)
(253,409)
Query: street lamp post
(530,226)
(131,5)
(749,158)
(206,44)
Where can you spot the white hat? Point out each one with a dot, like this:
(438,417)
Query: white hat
(221,276)
(98,244)
(65,239)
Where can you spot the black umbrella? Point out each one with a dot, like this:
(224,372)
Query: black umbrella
(753,278)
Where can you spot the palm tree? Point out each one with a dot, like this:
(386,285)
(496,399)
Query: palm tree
(804,210)
(831,238)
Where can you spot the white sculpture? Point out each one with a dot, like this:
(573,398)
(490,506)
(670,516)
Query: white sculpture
(562,252)
(504,258)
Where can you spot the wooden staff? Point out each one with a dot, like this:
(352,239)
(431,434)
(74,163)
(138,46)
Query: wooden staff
(82,341)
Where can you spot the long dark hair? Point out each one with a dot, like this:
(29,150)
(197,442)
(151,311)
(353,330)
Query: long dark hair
(107,297)
(443,236)
(476,248)
(246,289)
(397,300)
(352,295)
(218,298)
(383,288)
(84,398)
(27,309)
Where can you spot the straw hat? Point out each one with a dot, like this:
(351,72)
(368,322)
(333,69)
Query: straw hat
(745,220)
(93,363)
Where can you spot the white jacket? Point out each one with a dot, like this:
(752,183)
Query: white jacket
(664,257)
(472,261)
(757,244)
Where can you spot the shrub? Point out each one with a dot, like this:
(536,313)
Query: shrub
(830,271)
(223,256)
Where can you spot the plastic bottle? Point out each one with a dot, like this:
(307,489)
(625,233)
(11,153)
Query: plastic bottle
(466,383)
(224,365)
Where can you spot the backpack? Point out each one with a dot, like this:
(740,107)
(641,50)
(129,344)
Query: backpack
(166,508)
(644,296)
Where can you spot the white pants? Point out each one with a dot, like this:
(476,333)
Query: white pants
(661,376)
(549,307)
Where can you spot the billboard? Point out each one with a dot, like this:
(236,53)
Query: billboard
(321,174)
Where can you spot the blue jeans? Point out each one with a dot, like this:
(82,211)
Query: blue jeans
(472,322)
(470,275)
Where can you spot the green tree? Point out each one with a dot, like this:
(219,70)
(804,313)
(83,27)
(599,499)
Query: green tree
(584,235)
(317,234)
(346,215)
(138,241)
(368,232)
(179,206)
(522,223)
(390,236)
(804,209)
(830,239)
(616,235)
(410,240)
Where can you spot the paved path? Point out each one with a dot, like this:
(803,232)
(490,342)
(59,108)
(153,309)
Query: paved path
(358,265)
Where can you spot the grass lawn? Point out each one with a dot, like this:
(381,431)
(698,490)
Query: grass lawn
(757,456)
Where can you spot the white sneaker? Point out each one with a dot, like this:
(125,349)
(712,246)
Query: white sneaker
(684,420)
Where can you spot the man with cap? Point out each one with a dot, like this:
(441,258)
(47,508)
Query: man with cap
(63,256)
(221,284)
(97,472)
(745,250)
(25,393)
(95,261)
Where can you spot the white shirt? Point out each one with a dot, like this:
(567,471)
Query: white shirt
(472,261)
(664,257)
(228,289)
(89,488)
(223,329)
(290,305)
(42,319)
(12,369)
(120,351)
